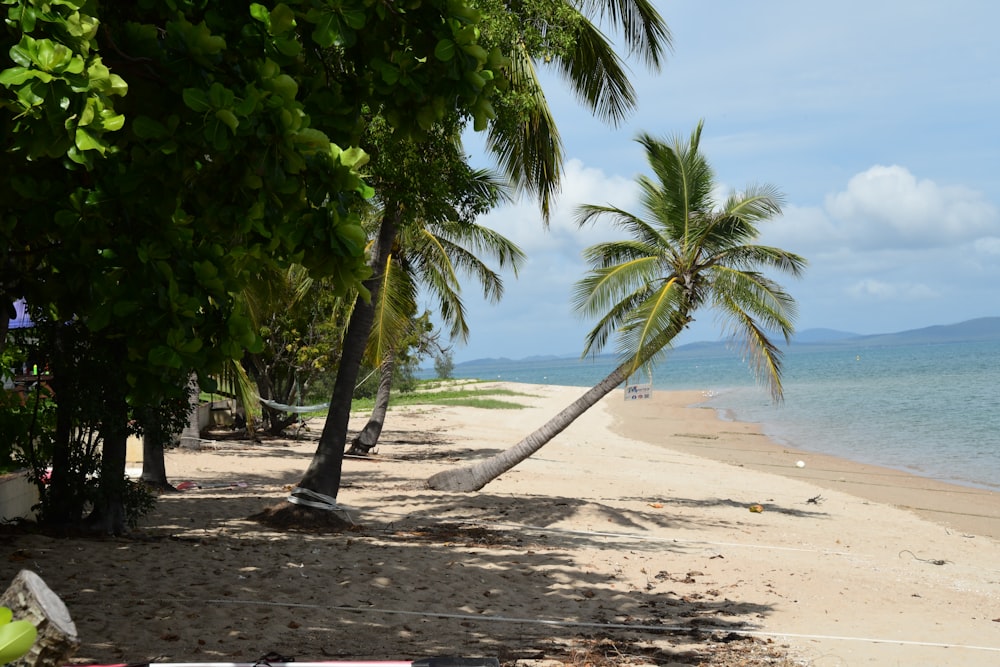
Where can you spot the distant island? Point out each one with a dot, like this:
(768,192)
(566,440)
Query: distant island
(980,329)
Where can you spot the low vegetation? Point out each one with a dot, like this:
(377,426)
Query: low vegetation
(468,393)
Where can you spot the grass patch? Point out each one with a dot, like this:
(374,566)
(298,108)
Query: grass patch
(487,399)
(464,393)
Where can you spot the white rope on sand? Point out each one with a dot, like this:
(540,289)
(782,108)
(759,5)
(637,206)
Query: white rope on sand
(605,626)
(622,536)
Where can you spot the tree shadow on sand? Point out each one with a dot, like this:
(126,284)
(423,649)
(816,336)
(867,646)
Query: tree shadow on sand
(204,584)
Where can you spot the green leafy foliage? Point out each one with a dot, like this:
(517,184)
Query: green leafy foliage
(159,154)
(16,637)
(219,161)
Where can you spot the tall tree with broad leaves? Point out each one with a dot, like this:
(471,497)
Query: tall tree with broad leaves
(157,153)
(684,253)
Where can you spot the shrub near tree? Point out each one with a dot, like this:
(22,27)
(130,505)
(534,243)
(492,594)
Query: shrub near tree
(300,322)
(444,365)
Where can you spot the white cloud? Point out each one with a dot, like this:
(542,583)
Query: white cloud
(870,288)
(801,229)
(522,222)
(888,207)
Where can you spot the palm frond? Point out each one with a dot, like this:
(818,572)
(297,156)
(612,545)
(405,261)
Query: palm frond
(601,288)
(646,34)
(439,253)
(683,189)
(763,355)
(757,295)
(597,75)
(397,297)
(634,226)
(755,203)
(526,144)
(746,256)
(659,313)
(611,323)
(234,381)
(612,253)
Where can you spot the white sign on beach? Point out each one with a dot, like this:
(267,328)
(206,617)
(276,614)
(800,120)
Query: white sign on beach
(636,392)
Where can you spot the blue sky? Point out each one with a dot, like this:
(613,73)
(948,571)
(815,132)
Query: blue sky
(878,120)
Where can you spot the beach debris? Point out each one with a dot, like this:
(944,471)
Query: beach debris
(656,505)
(186,486)
(815,500)
(757,509)
(932,561)
(800,464)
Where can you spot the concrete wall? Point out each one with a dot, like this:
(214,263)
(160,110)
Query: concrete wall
(17,495)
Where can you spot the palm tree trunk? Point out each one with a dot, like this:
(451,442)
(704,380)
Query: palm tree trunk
(323,474)
(478,475)
(366,440)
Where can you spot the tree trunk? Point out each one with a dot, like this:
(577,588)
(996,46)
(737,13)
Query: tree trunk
(323,475)
(4,325)
(478,475)
(366,440)
(60,506)
(108,516)
(154,468)
(31,600)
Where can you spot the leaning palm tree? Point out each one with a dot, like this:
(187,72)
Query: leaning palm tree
(437,255)
(687,253)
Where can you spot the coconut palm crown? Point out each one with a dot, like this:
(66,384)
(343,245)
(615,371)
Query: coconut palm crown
(685,253)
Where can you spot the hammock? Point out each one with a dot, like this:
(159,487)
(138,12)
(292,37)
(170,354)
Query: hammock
(293,409)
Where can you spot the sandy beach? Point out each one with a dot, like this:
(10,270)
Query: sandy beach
(629,539)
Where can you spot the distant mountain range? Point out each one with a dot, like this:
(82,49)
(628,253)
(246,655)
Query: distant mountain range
(983,328)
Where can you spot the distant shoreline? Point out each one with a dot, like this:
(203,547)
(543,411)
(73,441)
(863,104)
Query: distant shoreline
(974,330)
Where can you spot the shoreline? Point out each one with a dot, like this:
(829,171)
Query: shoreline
(967,509)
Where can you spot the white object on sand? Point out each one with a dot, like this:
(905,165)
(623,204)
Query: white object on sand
(800,464)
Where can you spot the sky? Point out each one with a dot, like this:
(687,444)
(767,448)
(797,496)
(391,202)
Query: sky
(878,120)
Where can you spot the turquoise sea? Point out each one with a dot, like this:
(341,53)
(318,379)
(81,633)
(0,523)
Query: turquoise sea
(928,409)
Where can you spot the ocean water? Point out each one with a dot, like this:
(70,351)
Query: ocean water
(932,410)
